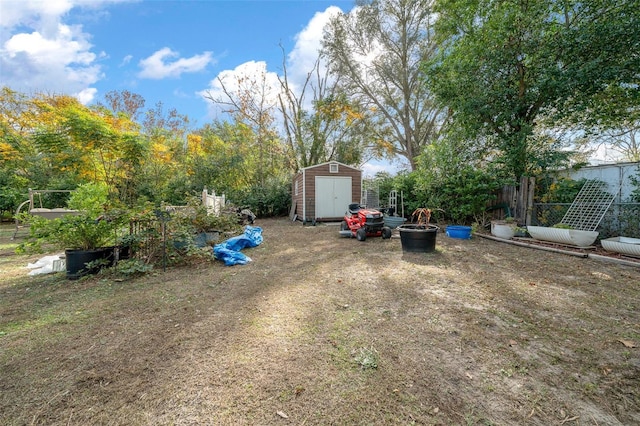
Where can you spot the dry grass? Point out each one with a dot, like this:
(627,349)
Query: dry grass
(320,329)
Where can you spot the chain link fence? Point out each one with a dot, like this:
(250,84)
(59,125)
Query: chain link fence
(622,219)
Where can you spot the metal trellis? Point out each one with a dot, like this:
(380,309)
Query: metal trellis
(589,206)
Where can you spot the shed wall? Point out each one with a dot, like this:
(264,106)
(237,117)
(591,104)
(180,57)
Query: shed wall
(305,199)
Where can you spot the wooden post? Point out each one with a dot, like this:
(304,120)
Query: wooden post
(529,205)
(520,199)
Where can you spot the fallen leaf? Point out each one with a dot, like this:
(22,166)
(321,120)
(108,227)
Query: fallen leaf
(512,342)
(627,343)
(282,414)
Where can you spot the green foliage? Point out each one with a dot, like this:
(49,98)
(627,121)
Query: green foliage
(635,181)
(408,194)
(72,232)
(91,198)
(464,195)
(198,219)
(272,199)
(385,185)
(563,190)
(9,200)
(396,36)
(562,226)
(502,66)
(452,180)
(132,267)
(367,358)
(177,190)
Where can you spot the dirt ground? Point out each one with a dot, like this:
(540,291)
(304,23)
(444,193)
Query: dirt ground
(324,330)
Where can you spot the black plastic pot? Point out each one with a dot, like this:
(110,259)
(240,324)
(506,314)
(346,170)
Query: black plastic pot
(418,238)
(77,260)
(124,252)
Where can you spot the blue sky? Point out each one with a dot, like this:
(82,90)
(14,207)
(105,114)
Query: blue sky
(163,50)
(169,51)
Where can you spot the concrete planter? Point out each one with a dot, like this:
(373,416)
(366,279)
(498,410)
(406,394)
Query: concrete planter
(570,237)
(624,245)
(502,229)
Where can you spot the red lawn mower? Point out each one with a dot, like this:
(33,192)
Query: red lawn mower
(362,223)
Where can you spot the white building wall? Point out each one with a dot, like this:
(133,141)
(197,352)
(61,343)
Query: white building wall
(616,175)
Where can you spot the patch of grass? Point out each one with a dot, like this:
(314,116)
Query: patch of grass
(367,358)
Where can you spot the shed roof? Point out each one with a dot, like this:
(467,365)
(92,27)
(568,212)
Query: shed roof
(330,162)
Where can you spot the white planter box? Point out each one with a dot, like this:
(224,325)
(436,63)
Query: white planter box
(570,237)
(624,245)
(503,230)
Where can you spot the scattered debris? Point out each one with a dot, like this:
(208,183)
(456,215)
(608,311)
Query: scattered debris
(47,265)
(628,343)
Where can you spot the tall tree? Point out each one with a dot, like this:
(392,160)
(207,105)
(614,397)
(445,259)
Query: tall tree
(165,133)
(320,124)
(504,65)
(624,140)
(223,160)
(126,102)
(377,49)
(251,100)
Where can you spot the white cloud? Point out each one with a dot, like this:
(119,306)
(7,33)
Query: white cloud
(126,60)
(300,62)
(39,14)
(371,167)
(86,96)
(301,59)
(55,56)
(240,78)
(61,62)
(159,65)
(69,45)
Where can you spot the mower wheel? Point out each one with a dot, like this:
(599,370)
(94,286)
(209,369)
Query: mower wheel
(344,226)
(361,234)
(386,233)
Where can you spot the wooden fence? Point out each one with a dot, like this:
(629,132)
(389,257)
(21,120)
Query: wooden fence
(513,202)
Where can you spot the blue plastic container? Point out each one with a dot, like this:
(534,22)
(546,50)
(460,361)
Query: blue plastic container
(459,231)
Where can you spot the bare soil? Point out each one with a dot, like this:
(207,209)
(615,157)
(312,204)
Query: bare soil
(324,330)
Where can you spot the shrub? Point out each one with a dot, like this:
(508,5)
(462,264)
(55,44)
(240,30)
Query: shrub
(272,199)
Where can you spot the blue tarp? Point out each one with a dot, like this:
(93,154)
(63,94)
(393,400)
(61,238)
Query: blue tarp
(229,250)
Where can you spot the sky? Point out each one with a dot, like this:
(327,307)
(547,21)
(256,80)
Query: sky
(166,51)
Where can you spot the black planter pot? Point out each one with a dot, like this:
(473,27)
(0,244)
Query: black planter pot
(77,261)
(418,238)
(124,252)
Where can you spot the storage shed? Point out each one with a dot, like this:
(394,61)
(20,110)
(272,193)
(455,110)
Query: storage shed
(323,192)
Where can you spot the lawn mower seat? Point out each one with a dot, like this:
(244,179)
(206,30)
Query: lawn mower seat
(353,208)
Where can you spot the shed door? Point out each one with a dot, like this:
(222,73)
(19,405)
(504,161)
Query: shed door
(333,195)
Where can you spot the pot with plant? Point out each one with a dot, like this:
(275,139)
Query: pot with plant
(84,239)
(504,228)
(419,237)
(563,234)
(87,238)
